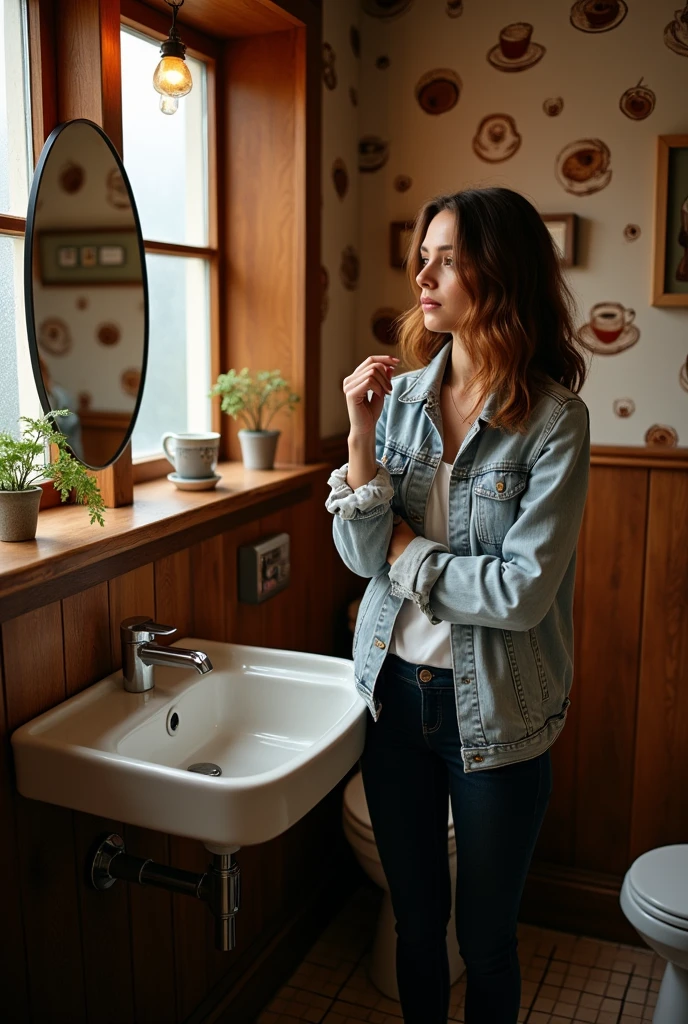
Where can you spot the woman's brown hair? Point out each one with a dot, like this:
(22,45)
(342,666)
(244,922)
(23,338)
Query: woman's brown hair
(518,328)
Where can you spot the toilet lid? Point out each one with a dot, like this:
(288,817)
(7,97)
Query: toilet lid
(357,806)
(659,878)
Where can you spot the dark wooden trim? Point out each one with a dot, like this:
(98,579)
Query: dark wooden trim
(178,249)
(10,225)
(43,74)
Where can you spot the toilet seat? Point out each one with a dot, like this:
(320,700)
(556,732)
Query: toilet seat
(658,881)
(358,815)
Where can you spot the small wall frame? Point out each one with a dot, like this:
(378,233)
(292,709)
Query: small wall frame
(670,229)
(563,227)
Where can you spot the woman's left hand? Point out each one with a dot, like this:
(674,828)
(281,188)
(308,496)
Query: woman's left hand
(402,535)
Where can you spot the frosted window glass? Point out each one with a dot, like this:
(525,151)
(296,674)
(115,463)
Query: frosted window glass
(165,155)
(16,163)
(178,372)
(18,395)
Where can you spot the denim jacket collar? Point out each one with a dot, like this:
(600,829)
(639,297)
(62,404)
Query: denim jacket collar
(429,382)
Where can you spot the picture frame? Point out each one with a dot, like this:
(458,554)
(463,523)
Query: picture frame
(102,257)
(563,227)
(400,232)
(670,227)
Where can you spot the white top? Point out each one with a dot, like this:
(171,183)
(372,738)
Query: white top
(414,638)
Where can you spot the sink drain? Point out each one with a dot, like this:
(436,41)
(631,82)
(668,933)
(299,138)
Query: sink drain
(205,768)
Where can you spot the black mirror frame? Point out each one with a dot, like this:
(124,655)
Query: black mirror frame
(28,279)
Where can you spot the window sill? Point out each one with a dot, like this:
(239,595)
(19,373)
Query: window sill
(69,554)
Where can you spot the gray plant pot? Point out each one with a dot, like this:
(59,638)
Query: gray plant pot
(19,514)
(258,448)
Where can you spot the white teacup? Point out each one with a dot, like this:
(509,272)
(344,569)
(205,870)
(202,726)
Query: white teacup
(194,456)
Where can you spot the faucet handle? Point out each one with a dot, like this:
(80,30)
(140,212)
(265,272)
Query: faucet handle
(138,629)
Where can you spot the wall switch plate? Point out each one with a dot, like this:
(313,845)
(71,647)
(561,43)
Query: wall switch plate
(263,568)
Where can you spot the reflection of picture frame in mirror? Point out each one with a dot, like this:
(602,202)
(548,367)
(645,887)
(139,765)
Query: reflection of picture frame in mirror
(400,232)
(670,234)
(104,257)
(563,227)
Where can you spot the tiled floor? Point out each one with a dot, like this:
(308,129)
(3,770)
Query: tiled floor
(565,978)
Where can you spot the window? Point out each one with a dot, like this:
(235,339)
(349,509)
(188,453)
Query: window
(18,395)
(167,162)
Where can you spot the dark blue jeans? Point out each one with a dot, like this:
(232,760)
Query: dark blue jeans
(411,767)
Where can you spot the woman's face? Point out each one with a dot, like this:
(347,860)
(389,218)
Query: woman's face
(438,279)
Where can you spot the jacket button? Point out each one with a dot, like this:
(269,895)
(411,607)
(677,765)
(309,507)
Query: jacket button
(478,758)
(465,679)
(500,486)
(417,519)
(379,643)
(425,675)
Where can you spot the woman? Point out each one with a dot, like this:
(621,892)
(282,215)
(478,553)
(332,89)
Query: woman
(465,632)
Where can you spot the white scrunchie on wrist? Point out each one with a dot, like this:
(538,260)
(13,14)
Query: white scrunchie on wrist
(346,502)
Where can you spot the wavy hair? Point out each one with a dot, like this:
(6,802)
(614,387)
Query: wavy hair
(518,328)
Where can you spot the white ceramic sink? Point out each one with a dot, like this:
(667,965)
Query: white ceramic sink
(283,726)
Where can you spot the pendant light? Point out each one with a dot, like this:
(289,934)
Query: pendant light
(172,77)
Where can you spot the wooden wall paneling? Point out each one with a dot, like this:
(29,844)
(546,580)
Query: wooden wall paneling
(108,981)
(616,522)
(243,621)
(264,182)
(87,648)
(13,975)
(35,682)
(660,799)
(208,589)
(150,909)
(173,598)
(556,843)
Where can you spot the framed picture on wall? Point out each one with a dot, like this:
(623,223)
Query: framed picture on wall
(670,229)
(400,232)
(107,257)
(563,227)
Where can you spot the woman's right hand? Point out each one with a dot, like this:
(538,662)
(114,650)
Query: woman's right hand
(374,374)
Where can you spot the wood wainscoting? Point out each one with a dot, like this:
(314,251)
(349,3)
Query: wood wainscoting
(71,954)
(620,766)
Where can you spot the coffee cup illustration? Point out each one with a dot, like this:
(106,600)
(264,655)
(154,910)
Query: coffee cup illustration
(514,39)
(609,319)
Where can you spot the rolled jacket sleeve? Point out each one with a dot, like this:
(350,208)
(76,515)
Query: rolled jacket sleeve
(517,590)
(368,499)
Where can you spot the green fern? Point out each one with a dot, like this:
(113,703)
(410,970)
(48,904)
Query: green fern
(22,464)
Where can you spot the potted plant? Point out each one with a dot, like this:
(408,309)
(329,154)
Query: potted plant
(22,464)
(256,401)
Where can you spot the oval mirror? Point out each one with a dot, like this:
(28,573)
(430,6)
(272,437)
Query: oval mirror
(86,291)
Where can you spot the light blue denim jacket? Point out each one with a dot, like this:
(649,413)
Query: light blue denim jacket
(506,582)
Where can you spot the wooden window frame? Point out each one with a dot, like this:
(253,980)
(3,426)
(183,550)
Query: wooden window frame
(154,25)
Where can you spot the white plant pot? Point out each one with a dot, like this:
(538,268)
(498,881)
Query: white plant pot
(19,514)
(258,448)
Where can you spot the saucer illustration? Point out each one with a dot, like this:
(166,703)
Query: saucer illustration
(638,102)
(533,54)
(661,435)
(496,138)
(373,153)
(582,167)
(439,90)
(598,15)
(677,38)
(626,339)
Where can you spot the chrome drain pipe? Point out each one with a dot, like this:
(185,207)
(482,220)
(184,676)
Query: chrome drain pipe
(219,886)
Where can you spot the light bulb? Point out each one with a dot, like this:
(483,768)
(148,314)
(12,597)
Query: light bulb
(172,77)
(169,104)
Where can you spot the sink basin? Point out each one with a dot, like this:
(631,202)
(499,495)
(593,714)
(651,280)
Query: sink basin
(284,728)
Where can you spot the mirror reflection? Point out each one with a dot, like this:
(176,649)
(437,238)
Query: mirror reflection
(87,311)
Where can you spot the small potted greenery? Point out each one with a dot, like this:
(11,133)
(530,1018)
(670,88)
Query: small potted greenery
(22,464)
(256,401)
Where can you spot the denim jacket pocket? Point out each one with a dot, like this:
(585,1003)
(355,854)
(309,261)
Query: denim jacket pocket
(496,497)
(397,464)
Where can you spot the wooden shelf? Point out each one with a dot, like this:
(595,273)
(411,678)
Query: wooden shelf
(68,553)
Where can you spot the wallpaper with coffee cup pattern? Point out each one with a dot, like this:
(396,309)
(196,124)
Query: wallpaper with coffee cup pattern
(562,102)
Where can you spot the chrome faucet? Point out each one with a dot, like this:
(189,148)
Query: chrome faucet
(140,653)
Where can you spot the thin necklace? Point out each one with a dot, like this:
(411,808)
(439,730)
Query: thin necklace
(451,392)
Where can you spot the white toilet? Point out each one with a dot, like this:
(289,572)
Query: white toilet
(654,898)
(359,832)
